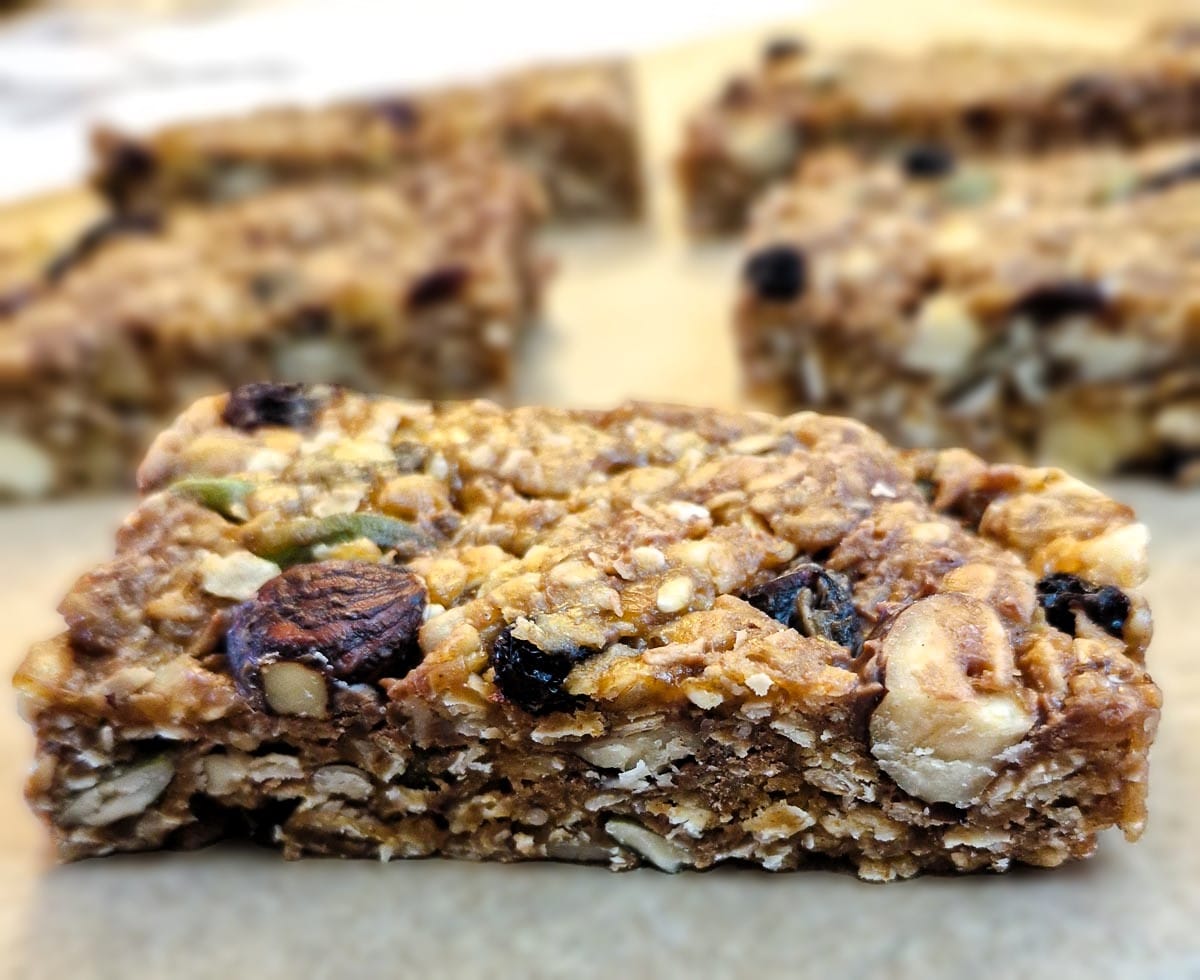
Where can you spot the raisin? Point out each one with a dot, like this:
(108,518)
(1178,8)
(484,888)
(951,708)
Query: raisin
(1063,595)
(783,49)
(982,122)
(15,300)
(126,166)
(927,161)
(777,273)
(1053,301)
(355,621)
(90,241)
(813,601)
(401,114)
(253,406)
(738,92)
(531,678)
(437,286)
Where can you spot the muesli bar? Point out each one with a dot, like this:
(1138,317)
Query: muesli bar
(969,98)
(1040,311)
(651,635)
(418,285)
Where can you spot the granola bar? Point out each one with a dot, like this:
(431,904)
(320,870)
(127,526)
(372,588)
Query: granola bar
(573,126)
(418,285)
(1040,310)
(652,635)
(968,98)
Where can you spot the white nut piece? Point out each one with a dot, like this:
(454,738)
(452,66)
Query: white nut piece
(238,575)
(675,594)
(124,795)
(664,854)
(26,471)
(294,689)
(953,703)
(945,335)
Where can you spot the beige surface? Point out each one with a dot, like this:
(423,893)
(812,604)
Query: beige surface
(647,317)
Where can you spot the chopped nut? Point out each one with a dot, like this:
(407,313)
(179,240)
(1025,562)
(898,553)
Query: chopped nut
(25,469)
(945,336)
(340,780)
(124,795)
(664,854)
(356,621)
(294,689)
(675,594)
(952,704)
(238,575)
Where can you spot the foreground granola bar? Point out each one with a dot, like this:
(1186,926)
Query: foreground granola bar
(968,98)
(1042,310)
(417,285)
(650,635)
(573,126)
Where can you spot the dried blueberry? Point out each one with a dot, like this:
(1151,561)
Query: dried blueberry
(401,114)
(355,621)
(783,49)
(1053,301)
(531,678)
(90,241)
(777,273)
(814,601)
(1063,595)
(253,406)
(927,161)
(126,166)
(15,300)
(737,92)
(437,286)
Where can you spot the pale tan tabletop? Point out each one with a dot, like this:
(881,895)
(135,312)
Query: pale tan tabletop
(639,314)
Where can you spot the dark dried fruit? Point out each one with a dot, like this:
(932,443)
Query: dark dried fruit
(777,273)
(737,92)
(291,541)
(401,114)
(127,165)
(354,621)
(982,121)
(813,601)
(437,286)
(783,49)
(1053,301)
(927,161)
(1163,180)
(532,678)
(1063,596)
(15,300)
(90,241)
(253,406)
